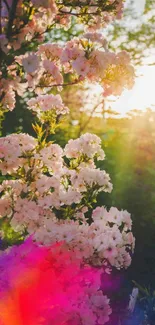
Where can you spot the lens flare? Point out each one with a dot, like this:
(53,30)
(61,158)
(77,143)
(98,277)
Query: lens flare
(48,285)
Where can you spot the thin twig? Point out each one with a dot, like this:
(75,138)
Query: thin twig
(82,127)
(61,85)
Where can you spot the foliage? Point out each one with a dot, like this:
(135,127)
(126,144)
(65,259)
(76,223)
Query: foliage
(129,147)
(135,33)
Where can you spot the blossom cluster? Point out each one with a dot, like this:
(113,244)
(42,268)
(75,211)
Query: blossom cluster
(24,21)
(108,240)
(48,107)
(86,59)
(93,13)
(9,88)
(42,175)
(49,285)
(51,192)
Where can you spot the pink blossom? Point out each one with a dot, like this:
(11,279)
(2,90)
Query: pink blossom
(81,66)
(30,62)
(44,103)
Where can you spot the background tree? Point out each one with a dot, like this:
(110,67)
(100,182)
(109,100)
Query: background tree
(135,33)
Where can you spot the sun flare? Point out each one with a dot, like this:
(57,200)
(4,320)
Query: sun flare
(142,95)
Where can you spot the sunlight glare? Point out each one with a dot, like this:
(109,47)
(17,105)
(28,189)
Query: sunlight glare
(142,95)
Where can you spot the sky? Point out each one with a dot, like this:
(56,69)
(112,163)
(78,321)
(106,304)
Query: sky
(139,5)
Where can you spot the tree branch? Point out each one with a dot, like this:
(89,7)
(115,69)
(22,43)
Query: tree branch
(0,17)
(7,6)
(11,18)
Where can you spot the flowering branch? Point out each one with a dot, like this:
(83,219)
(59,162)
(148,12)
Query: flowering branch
(61,85)
(76,14)
(102,5)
